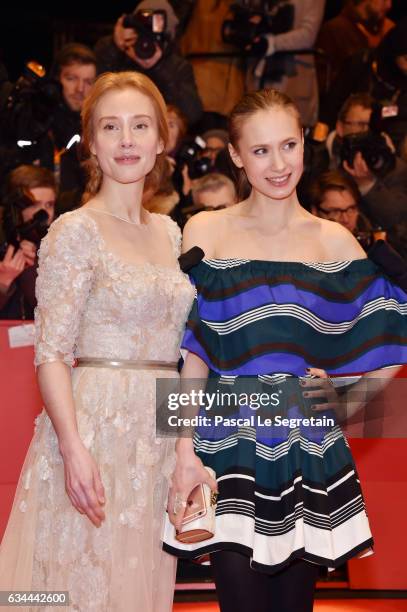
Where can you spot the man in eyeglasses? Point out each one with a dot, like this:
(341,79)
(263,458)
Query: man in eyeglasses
(335,196)
(353,118)
(384,197)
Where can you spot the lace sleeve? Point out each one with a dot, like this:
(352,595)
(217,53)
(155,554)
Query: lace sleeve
(174,233)
(65,274)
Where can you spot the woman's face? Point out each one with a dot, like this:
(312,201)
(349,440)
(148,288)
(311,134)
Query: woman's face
(270,149)
(126,140)
(43,199)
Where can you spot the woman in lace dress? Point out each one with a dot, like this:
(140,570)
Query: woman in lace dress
(280,294)
(87,515)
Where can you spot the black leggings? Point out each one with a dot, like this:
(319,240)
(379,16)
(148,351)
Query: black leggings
(242,589)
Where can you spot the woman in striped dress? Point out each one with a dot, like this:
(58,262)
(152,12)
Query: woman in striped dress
(281,294)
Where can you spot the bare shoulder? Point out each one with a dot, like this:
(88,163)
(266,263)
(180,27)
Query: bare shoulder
(201,230)
(340,243)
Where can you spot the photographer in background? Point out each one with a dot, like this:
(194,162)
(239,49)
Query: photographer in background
(360,25)
(177,127)
(366,153)
(335,196)
(143,41)
(220,79)
(42,121)
(381,72)
(213,191)
(29,209)
(75,70)
(280,26)
(216,140)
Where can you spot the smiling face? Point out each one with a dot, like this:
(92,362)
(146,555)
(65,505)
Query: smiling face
(270,149)
(125,135)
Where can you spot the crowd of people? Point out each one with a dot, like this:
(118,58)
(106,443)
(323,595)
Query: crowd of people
(353,68)
(284,190)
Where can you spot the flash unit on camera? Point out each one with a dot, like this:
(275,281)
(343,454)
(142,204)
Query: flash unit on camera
(392,110)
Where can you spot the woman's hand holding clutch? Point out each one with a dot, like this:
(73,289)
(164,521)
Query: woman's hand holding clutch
(189,472)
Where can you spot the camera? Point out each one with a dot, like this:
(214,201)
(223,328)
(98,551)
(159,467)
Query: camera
(254,18)
(190,154)
(150,26)
(33,230)
(29,107)
(373,146)
(374,149)
(42,93)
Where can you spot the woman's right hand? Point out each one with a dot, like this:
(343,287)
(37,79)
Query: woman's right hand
(83,483)
(189,472)
(125,38)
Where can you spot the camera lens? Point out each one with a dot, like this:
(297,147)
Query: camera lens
(145,46)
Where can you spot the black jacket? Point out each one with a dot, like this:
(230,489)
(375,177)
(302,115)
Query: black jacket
(373,71)
(173,75)
(50,132)
(386,205)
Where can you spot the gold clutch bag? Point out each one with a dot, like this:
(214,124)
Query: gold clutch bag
(198,523)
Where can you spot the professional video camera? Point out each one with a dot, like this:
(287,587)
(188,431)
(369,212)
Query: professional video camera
(33,91)
(26,117)
(379,158)
(253,19)
(373,146)
(151,26)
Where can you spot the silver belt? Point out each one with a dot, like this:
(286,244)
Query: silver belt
(127,364)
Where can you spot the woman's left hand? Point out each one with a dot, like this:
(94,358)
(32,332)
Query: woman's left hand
(322,387)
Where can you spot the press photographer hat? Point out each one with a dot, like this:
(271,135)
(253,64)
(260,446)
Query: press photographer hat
(161,5)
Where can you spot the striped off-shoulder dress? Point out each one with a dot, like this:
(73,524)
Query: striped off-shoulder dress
(288,492)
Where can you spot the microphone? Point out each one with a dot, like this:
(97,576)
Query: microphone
(191,258)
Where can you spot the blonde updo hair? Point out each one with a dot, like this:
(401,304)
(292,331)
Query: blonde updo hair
(248,106)
(118,81)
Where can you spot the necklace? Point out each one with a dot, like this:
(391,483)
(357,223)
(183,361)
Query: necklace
(105,212)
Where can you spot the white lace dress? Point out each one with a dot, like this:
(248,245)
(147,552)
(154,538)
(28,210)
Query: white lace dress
(91,304)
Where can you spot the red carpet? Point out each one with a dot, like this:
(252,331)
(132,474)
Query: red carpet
(327,605)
